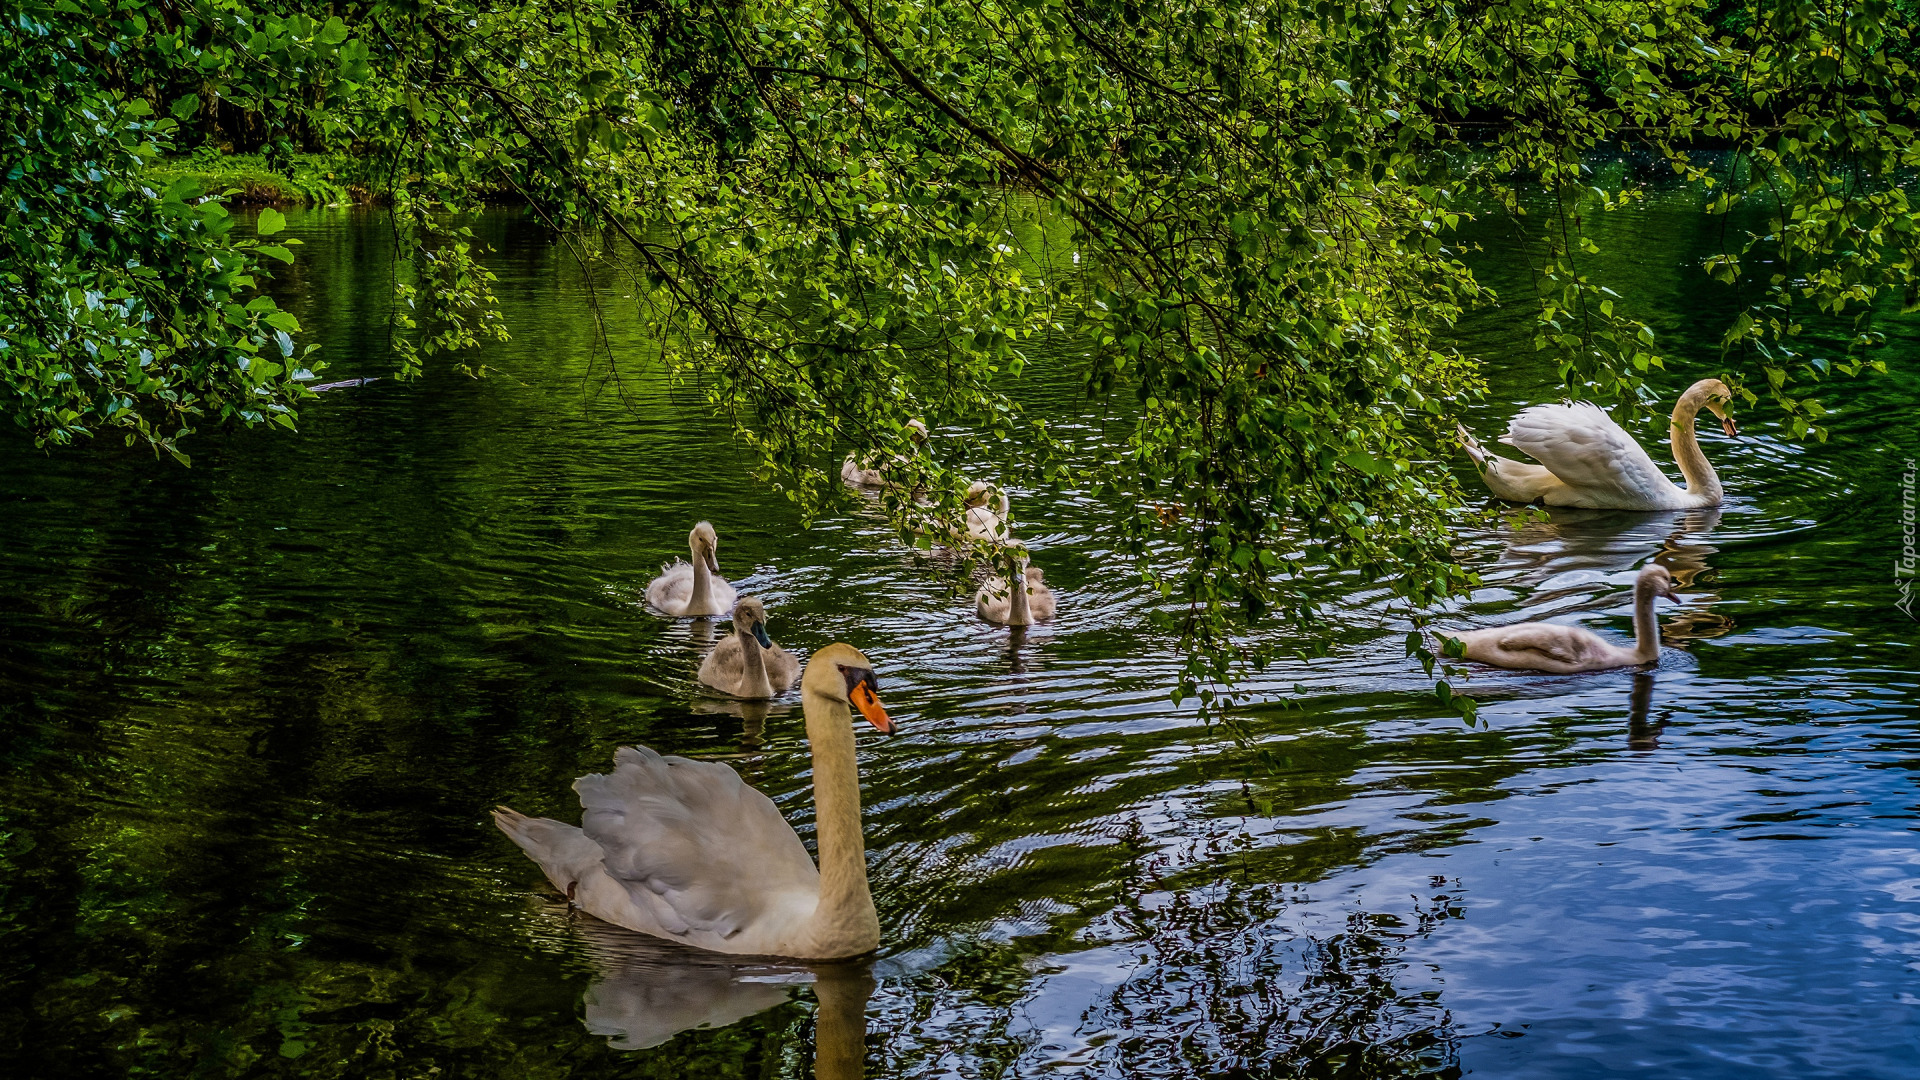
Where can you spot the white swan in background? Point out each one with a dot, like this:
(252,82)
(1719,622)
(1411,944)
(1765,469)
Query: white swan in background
(1589,461)
(1001,601)
(1563,650)
(694,588)
(685,850)
(987,513)
(873,473)
(748,664)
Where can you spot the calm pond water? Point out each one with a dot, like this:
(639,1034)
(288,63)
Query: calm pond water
(253,713)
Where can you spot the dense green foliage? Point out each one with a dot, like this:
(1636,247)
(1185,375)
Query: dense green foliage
(841,215)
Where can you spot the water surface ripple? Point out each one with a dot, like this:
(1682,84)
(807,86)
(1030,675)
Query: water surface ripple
(252,715)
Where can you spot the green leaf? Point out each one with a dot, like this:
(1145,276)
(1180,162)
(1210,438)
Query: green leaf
(270,221)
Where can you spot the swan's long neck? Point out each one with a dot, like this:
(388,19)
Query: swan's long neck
(1021,613)
(1703,484)
(753,665)
(844,923)
(1646,629)
(701,598)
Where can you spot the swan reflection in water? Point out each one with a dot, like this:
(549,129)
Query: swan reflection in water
(753,716)
(1016,640)
(646,991)
(1642,735)
(1574,548)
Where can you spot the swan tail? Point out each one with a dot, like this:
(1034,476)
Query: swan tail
(1513,481)
(1473,448)
(563,851)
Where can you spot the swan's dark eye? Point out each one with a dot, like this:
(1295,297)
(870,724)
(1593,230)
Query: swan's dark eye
(857,675)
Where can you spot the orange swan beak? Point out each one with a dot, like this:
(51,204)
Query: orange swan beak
(868,703)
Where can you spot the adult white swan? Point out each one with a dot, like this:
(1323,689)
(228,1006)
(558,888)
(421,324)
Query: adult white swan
(1019,599)
(1563,650)
(1589,461)
(747,664)
(685,850)
(693,588)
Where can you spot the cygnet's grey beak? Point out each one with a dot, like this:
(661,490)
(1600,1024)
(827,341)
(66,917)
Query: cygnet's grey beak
(1726,425)
(760,633)
(1673,596)
(713,561)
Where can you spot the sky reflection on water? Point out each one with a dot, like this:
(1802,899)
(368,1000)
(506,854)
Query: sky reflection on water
(254,713)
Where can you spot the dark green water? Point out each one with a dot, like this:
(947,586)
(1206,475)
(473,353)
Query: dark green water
(252,715)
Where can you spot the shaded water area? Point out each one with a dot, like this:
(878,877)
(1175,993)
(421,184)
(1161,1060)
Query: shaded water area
(253,713)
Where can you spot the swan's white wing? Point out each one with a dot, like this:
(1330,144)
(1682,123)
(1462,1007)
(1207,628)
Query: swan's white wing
(691,840)
(1548,639)
(669,591)
(1582,446)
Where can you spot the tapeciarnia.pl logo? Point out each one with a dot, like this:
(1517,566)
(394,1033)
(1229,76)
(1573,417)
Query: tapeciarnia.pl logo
(1906,565)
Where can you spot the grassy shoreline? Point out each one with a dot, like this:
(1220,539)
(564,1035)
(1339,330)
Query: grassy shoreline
(307,180)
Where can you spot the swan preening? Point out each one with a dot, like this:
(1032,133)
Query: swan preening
(694,588)
(1587,460)
(872,472)
(748,664)
(1564,650)
(1019,599)
(685,850)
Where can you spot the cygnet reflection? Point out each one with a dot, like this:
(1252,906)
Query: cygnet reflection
(754,716)
(646,991)
(1556,563)
(1640,734)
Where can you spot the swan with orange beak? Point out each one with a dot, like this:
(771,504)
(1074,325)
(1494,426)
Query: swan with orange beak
(685,850)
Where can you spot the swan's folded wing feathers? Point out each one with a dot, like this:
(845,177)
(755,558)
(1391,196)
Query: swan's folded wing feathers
(673,586)
(1582,446)
(1544,638)
(725,666)
(783,669)
(693,835)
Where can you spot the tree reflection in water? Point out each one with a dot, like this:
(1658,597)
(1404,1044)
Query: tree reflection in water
(1214,981)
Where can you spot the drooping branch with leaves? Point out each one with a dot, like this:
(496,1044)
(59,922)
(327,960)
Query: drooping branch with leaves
(843,214)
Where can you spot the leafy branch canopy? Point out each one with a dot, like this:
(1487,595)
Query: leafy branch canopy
(835,210)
